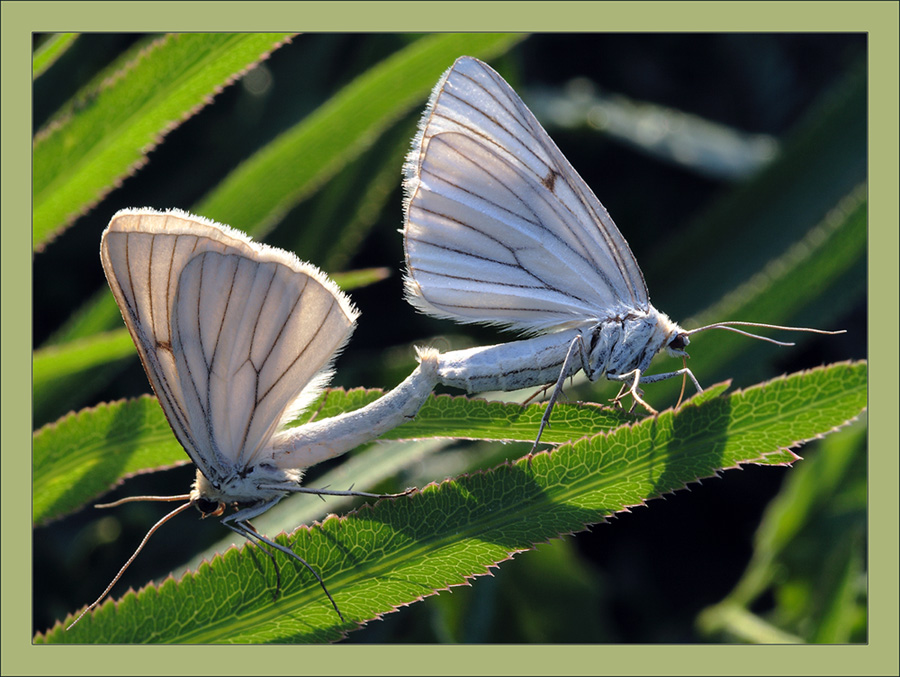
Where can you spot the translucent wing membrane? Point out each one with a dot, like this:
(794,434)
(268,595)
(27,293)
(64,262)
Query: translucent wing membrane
(499,226)
(247,335)
(235,338)
(500,229)
(191,290)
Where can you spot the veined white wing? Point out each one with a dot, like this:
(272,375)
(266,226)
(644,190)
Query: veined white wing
(235,338)
(500,229)
(499,226)
(232,333)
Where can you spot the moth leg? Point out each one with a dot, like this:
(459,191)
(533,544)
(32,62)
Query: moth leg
(617,400)
(578,343)
(242,527)
(294,489)
(268,554)
(630,381)
(672,374)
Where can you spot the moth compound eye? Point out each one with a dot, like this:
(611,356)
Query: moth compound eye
(208,508)
(679,343)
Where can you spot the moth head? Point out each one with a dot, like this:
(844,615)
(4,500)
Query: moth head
(205,496)
(676,340)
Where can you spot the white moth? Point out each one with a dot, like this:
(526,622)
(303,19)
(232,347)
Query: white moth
(237,338)
(500,229)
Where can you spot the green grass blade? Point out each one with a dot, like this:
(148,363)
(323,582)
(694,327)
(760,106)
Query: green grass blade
(84,454)
(817,580)
(81,155)
(823,159)
(258,193)
(68,374)
(47,54)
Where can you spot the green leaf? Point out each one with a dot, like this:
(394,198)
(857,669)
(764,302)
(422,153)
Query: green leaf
(69,373)
(87,453)
(397,551)
(354,279)
(459,417)
(84,454)
(84,152)
(822,160)
(807,556)
(45,55)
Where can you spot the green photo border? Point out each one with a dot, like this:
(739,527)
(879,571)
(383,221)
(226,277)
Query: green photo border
(19,19)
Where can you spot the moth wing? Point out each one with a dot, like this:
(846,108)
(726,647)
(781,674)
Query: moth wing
(499,227)
(145,254)
(250,338)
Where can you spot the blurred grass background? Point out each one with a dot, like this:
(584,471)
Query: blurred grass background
(715,154)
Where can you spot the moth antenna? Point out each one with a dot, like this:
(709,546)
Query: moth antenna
(115,580)
(133,499)
(730,327)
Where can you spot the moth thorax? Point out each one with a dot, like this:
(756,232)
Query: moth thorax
(261,482)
